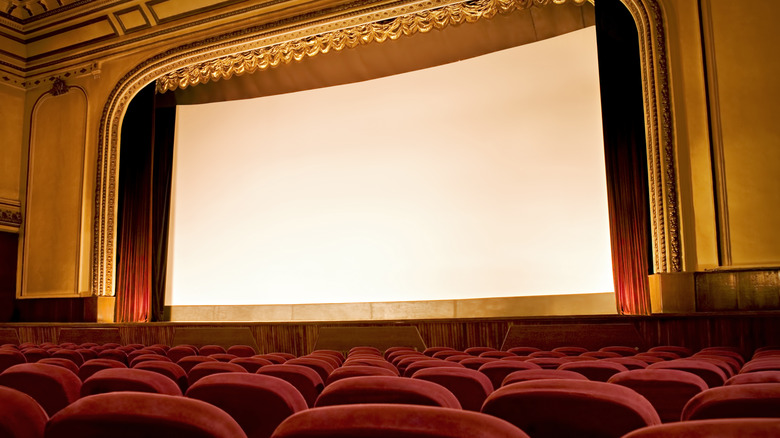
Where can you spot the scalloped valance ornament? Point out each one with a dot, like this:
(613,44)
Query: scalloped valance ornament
(295,50)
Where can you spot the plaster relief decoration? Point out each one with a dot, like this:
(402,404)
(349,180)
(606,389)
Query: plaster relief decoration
(10,214)
(257,49)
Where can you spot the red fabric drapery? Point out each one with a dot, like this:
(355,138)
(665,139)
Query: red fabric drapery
(144,203)
(625,152)
(134,244)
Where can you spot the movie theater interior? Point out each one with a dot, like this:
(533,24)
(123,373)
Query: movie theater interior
(389,218)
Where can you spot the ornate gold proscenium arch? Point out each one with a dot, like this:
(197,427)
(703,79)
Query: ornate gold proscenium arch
(259,48)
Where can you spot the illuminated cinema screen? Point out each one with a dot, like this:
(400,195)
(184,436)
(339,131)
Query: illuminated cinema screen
(475,179)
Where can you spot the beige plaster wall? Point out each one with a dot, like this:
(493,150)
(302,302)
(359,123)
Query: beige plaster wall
(743,67)
(11,129)
(53,223)
(691,129)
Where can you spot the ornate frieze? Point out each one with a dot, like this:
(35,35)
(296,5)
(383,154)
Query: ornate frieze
(283,53)
(10,215)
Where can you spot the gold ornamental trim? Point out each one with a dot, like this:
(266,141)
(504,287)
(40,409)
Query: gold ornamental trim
(204,56)
(10,214)
(296,50)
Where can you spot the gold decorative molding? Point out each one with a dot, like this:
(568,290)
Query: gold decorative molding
(10,216)
(667,253)
(283,53)
(258,48)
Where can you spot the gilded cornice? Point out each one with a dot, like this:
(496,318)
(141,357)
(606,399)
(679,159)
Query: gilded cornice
(295,50)
(10,215)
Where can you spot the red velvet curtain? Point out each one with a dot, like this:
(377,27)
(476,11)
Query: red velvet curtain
(625,152)
(144,202)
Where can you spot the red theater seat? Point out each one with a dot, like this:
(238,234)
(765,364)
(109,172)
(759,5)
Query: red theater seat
(283,355)
(756,377)
(115,354)
(432,363)
(733,365)
(628,362)
(364,349)
(721,428)
(10,357)
(257,402)
(431,350)
(540,374)
(188,362)
(51,386)
(92,366)
(570,351)
(571,408)
(523,351)
(757,400)
(137,414)
(62,363)
(598,370)
(667,390)
(168,369)
(33,355)
(470,387)
(251,364)
(620,349)
(383,389)
(304,379)
(380,363)
(273,358)
(147,357)
(476,351)
(180,351)
(757,365)
(497,371)
(71,355)
(392,350)
(128,379)
(550,363)
(322,367)
(332,360)
(20,415)
(393,421)
(204,369)
(241,350)
(333,353)
(357,371)
(476,363)
(208,350)
(447,353)
(497,354)
(712,374)
(223,357)
(676,349)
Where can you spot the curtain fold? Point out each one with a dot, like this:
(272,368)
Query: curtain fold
(164,130)
(625,151)
(144,204)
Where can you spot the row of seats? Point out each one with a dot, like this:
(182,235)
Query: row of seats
(286,386)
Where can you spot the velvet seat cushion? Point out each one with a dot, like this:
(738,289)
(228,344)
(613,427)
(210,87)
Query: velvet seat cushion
(393,421)
(138,414)
(571,408)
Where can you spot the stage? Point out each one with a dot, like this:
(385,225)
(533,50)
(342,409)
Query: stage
(745,330)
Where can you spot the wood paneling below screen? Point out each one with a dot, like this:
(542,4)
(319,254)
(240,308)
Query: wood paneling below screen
(744,330)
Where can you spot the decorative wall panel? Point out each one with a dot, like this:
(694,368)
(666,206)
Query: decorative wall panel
(53,228)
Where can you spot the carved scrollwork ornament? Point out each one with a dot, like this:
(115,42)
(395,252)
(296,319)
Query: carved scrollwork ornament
(10,217)
(58,87)
(272,56)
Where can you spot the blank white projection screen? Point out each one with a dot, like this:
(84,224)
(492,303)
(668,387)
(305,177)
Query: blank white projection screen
(481,178)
